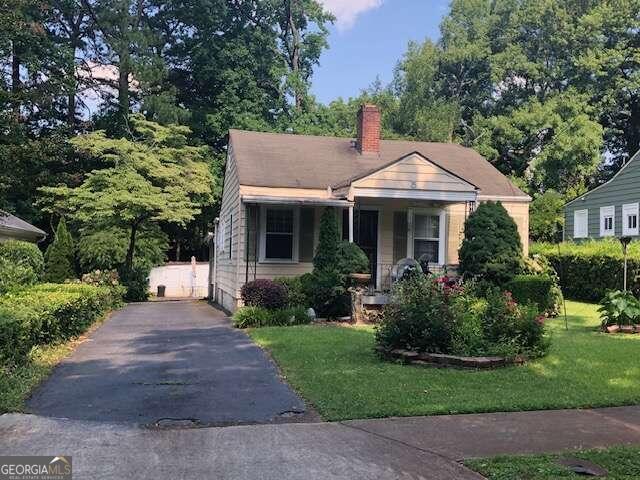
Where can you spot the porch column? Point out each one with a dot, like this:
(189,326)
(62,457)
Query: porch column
(351,224)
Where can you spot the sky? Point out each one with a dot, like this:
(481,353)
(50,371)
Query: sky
(367,40)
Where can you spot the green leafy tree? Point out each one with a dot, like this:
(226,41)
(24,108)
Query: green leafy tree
(546,217)
(154,177)
(491,249)
(60,256)
(326,256)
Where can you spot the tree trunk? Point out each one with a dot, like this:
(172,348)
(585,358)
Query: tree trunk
(123,86)
(294,52)
(16,84)
(128,264)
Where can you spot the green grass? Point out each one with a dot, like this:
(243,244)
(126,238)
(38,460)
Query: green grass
(336,369)
(620,462)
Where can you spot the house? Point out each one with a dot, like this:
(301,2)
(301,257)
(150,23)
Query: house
(396,199)
(14,228)
(610,210)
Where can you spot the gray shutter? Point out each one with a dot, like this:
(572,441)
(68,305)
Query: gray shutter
(307,234)
(400,228)
(252,232)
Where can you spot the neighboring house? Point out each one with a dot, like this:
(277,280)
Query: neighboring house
(610,210)
(14,228)
(396,199)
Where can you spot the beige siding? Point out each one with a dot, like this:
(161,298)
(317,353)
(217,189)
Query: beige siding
(227,268)
(519,211)
(414,173)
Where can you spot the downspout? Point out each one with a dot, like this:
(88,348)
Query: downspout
(213,275)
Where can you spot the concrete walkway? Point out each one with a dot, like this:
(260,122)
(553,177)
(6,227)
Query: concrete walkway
(168,362)
(395,448)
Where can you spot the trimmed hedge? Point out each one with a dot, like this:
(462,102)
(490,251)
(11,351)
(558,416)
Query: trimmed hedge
(264,293)
(21,263)
(48,313)
(589,269)
(533,289)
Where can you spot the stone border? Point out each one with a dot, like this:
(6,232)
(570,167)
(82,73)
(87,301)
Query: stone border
(622,329)
(448,361)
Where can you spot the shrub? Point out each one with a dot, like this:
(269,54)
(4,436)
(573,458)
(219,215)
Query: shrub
(491,249)
(534,289)
(264,293)
(547,216)
(326,255)
(587,270)
(48,313)
(427,314)
(618,307)
(105,278)
(251,316)
(136,282)
(326,293)
(21,263)
(296,296)
(418,317)
(60,256)
(351,259)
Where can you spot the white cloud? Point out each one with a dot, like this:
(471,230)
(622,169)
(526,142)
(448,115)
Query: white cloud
(346,11)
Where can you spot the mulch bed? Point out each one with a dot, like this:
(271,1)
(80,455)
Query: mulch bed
(448,361)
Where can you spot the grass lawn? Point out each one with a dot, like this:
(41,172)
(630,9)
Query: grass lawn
(336,369)
(620,462)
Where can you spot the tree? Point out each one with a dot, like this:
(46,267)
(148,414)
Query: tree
(60,256)
(154,176)
(546,217)
(491,249)
(326,256)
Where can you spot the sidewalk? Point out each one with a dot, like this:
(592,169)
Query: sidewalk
(488,434)
(395,448)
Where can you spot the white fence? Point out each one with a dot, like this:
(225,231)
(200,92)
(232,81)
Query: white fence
(182,280)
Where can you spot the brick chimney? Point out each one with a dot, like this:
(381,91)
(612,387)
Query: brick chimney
(368,140)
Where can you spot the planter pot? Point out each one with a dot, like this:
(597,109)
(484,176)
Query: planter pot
(612,328)
(361,279)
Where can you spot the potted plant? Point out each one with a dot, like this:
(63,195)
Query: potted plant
(620,311)
(353,262)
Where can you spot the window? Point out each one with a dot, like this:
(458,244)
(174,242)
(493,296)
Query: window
(426,235)
(279,234)
(222,233)
(580,223)
(630,219)
(607,221)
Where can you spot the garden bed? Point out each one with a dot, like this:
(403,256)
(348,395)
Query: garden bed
(449,361)
(622,329)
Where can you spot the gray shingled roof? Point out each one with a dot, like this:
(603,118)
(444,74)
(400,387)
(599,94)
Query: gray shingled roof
(305,161)
(11,222)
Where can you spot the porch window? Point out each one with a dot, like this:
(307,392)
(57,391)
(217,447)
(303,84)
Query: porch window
(279,236)
(426,237)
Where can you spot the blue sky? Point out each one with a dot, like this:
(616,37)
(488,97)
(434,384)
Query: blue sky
(368,39)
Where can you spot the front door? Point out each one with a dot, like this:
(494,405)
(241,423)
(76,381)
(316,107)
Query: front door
(367,239)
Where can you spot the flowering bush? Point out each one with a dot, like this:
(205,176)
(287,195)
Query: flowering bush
(442,315)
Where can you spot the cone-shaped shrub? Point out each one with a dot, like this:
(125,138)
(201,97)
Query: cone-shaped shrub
(328,241)
(59,257)
(491,249)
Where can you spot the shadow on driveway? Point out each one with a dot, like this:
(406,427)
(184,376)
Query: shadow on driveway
(168,364)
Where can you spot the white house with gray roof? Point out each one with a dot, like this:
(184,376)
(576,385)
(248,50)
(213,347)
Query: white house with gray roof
(14,228)
(396,199)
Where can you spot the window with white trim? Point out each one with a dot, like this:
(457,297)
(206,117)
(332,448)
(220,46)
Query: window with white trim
(630,219)
(279,234)
(607,221)
(426,237)
(581,223)
(222,233)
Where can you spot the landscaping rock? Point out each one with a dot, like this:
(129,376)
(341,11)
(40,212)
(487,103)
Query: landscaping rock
(627,329)
(613,328)
(409,355)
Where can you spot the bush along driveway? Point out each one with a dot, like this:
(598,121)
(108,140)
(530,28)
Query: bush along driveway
(167,364)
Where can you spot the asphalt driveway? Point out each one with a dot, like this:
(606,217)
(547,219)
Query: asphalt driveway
(168,364)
